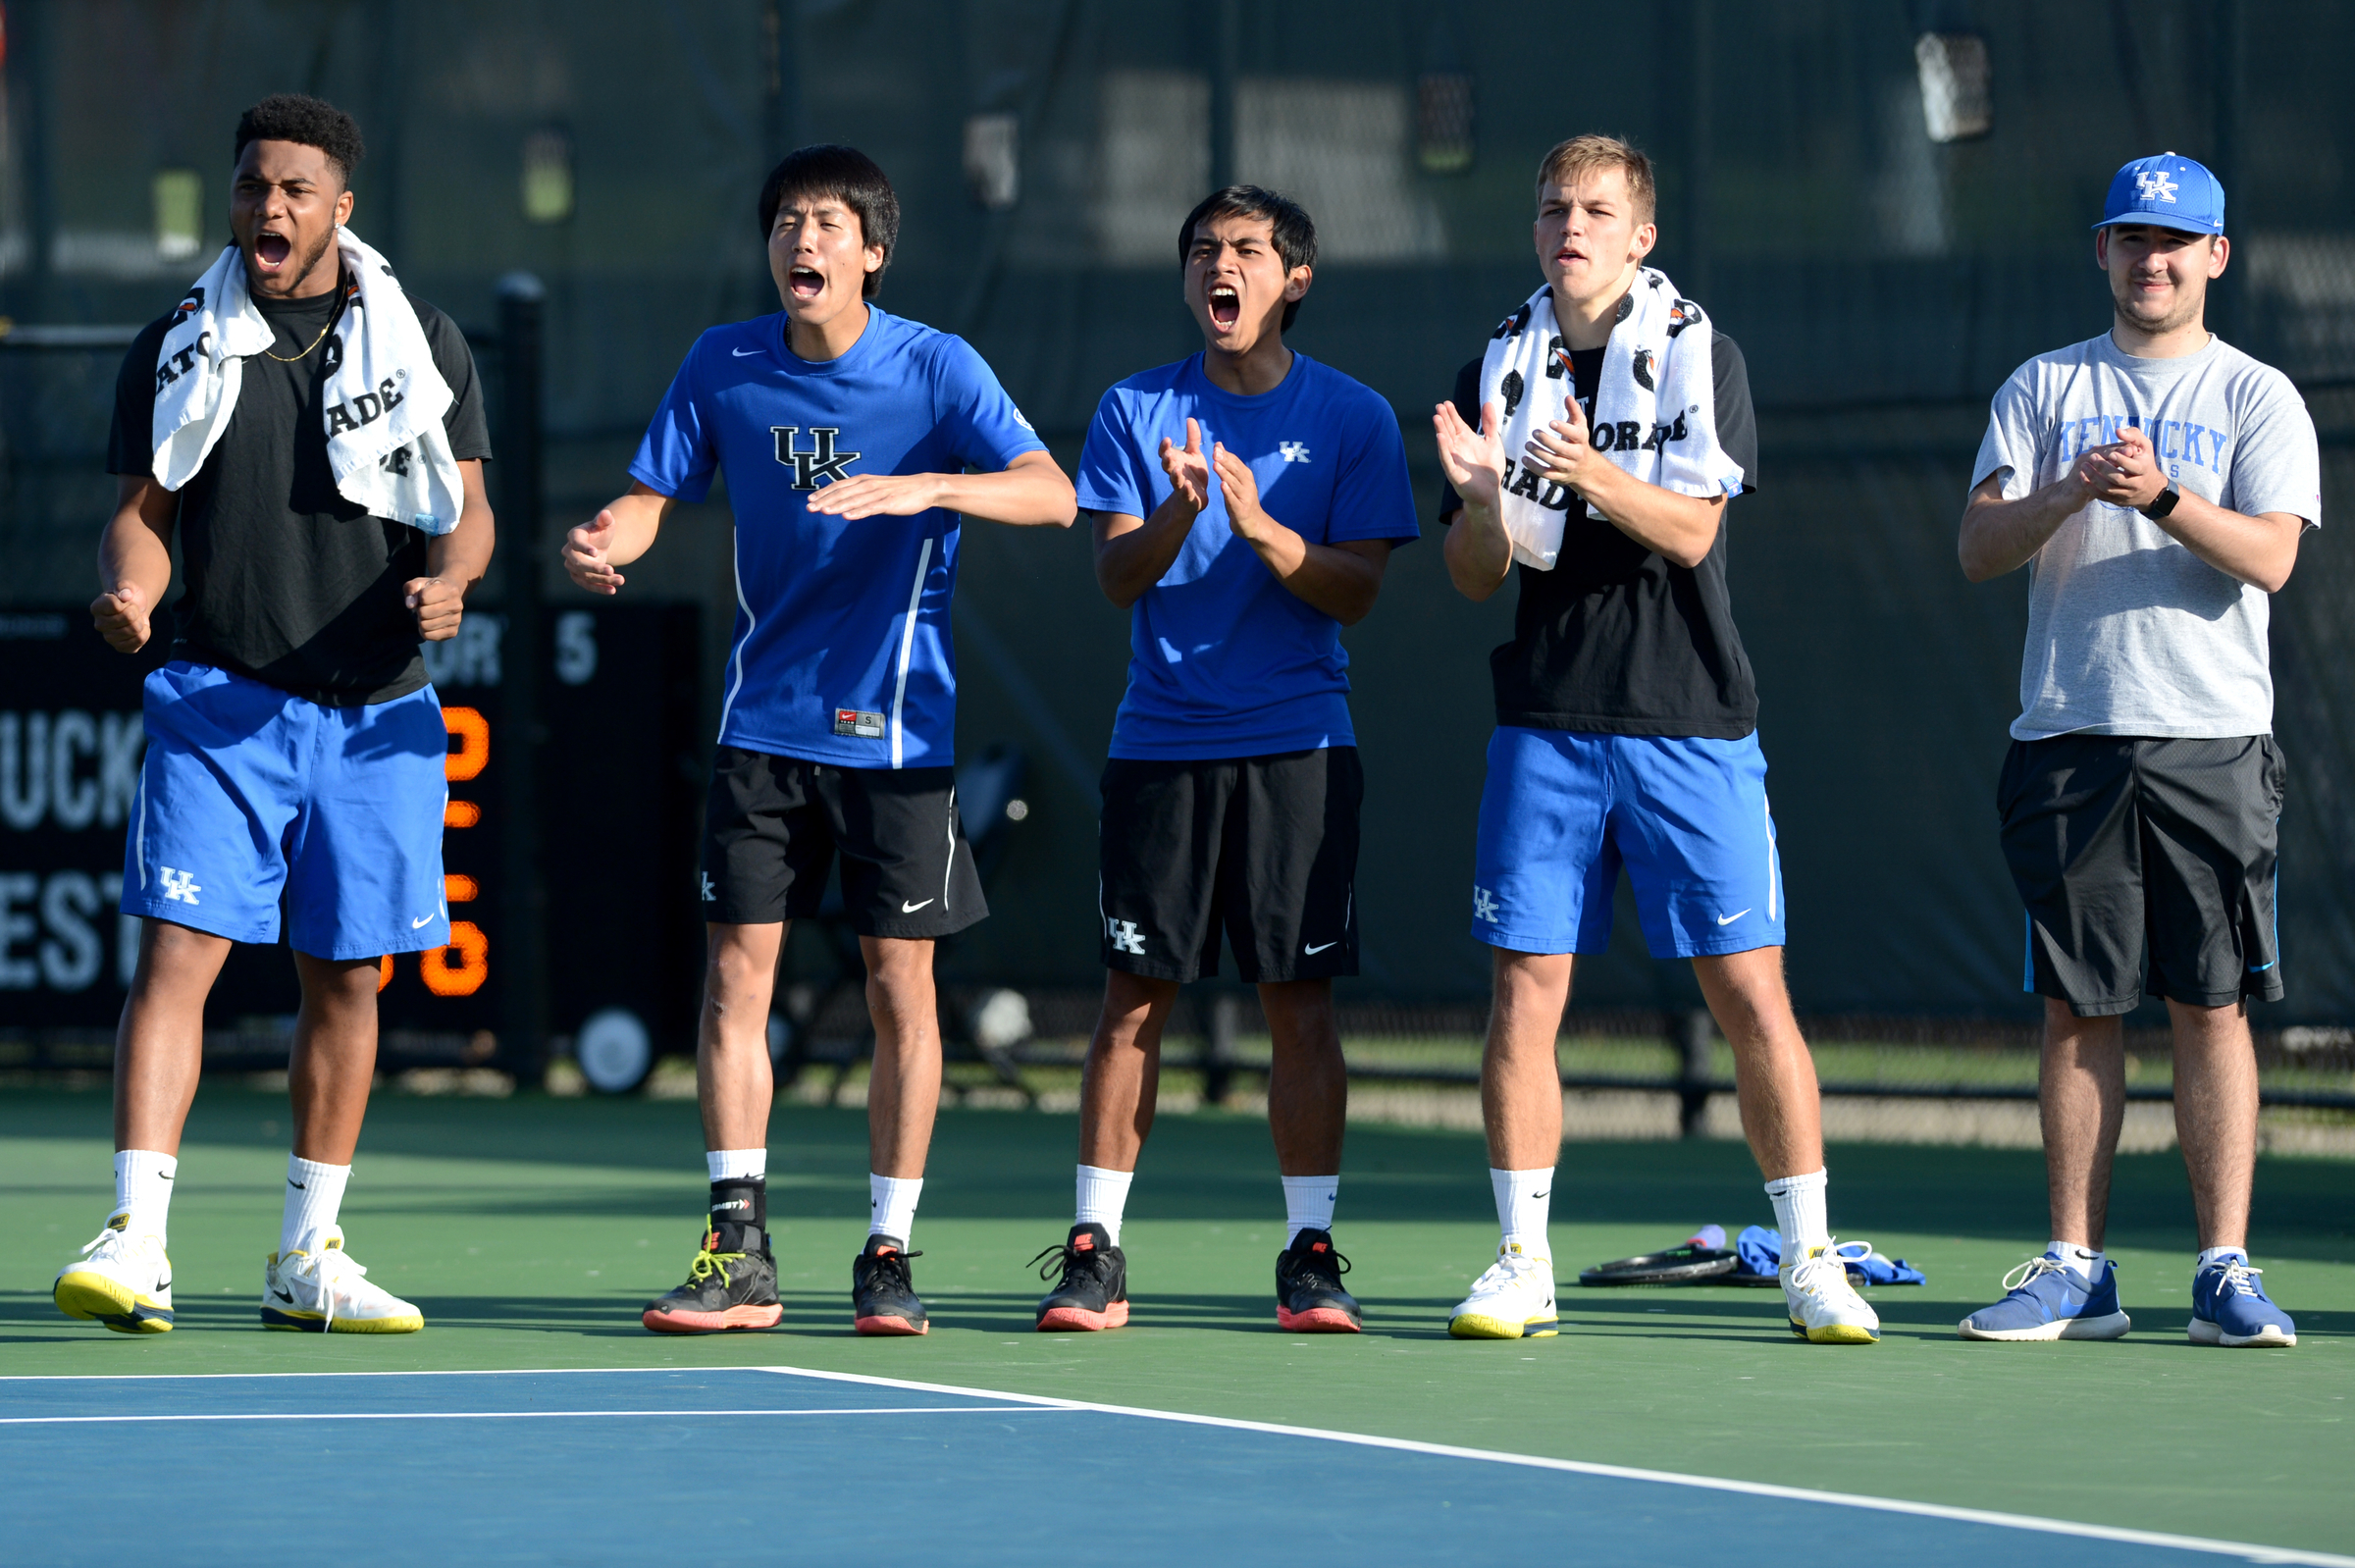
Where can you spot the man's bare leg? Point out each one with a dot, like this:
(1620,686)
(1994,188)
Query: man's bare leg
(904,1093)
(1119,1085)
(1308,1082)
(159,1044)
(733,1086)
(2080,1104)
(1520,1069)
(2216,1116)
(334,1063)
(1774,1075)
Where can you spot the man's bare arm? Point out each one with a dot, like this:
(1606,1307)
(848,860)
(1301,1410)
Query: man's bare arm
(1680,527)
(2258,551)
(134,562)
(1342,580)
(1032,492)
(1478,552)
(2001,536)
(454,561)
(618,536)
(1132,552)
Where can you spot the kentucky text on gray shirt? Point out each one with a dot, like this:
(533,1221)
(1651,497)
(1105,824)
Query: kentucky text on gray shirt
(2129,633)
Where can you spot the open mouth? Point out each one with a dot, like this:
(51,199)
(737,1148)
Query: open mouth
(1226,306)
(806,282)
(272,250)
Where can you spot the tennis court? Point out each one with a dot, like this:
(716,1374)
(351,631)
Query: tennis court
(534,1420)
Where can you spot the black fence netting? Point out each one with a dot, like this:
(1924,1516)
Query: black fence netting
(1886,204)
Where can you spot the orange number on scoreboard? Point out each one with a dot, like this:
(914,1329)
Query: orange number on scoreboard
(472,732)
(460,969)
(383,971)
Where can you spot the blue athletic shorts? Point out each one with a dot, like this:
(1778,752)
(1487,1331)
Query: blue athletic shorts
(249,792)
(1564,808)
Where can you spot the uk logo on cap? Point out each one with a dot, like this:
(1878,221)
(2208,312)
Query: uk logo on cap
(2169,192)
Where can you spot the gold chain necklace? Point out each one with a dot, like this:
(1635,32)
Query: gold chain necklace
(333,315)
(288,359)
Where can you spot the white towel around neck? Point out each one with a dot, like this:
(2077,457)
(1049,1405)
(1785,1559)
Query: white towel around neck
(383,400)
(1656,408)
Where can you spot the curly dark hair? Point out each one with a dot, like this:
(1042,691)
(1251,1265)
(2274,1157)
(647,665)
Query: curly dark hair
(851,177)
(299,118)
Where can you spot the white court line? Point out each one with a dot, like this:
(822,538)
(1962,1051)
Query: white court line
(515,1415)
(2245,1550)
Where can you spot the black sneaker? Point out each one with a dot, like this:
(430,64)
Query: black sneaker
(1094,1293)
(882,1299)
(1309,1298)
(731,1285)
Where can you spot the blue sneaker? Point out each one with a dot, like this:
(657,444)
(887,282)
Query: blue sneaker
(2046,1300)
(2229,1307)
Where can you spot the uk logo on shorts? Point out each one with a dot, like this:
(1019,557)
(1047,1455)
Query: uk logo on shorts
(1484,905)
(179,884)
(709,895)
(1125,937)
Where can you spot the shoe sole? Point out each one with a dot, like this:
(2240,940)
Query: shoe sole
(1479,1325)
(96,1297)
(316,1322)
(2109,1326)
(748,1315)
(1837,1334)
(1078,1319)
(1318,1320)
(2270,1336)
(891,1328)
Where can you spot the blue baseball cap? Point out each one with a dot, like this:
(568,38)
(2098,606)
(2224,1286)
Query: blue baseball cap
(2166,192)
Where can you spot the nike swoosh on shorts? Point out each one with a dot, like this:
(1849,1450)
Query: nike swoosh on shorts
(1728,920)
(421,921)
(907,908)
(1312,950)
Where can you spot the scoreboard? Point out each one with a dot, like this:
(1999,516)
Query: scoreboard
(618,759)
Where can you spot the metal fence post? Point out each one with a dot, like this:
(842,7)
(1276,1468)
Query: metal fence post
(1692,1032)
(518,464)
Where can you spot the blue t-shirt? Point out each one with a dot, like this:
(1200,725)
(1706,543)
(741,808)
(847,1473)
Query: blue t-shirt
(1223,659)
(841,652)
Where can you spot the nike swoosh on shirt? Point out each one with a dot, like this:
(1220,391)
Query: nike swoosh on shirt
(907,908)
(1312,951)
(744,353)
(1728,920)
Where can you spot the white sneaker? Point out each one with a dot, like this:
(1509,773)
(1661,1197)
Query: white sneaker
(323,1291)
(1824,1307)
(123,1281)
(1513,1300)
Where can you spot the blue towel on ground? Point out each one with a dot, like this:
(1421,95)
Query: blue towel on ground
(1762,1252)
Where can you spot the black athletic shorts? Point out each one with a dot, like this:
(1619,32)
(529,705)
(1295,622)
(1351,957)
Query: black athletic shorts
(1262,847)
(772,826)
(2117,842)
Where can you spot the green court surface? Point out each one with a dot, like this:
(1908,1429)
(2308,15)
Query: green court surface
(531,1232)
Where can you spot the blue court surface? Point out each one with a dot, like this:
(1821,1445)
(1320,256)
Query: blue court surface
(798,1466)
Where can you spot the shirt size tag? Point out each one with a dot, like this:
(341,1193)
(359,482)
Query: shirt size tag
(851,722)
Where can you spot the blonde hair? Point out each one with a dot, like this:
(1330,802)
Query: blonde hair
(1571,161)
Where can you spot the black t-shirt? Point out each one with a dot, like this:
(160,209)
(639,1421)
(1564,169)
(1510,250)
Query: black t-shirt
(284,579)
(1617,638)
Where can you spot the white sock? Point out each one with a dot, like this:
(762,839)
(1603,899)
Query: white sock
(314,1192)
(736,1165)
(1308,1204)
(2209,1255)
(1103,1198)
(891,1205)
(2082,1261)
(143,1189)
(1799,1213)
(1524,1205)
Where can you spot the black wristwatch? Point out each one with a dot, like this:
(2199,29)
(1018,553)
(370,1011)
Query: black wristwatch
(2164,503)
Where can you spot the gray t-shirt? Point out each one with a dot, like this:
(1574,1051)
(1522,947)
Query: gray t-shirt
(2129,633)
